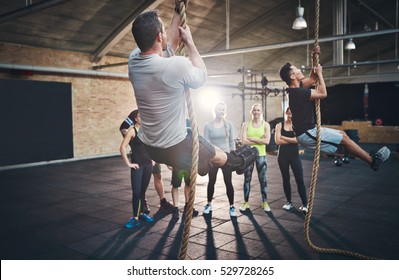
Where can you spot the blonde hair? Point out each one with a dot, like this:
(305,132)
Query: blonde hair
(252,108)
(218,104)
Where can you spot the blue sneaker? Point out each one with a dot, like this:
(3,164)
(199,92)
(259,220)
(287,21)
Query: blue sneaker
(132,223)
(146,218)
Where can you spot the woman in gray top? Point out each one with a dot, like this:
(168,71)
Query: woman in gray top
(220,133)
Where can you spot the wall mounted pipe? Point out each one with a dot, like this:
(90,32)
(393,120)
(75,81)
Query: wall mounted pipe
(58,70)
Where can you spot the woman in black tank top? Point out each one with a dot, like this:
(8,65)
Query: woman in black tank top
(288,155)
(140,171)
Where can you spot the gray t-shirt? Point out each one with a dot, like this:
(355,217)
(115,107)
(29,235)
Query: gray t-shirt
(159,85)
(222,137)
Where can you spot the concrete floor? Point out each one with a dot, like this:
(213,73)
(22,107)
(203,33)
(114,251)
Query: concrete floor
(77,210)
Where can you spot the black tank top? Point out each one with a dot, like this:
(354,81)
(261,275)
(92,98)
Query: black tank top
(288,150)
(139,154)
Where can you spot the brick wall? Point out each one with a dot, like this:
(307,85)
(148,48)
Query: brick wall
(99,104)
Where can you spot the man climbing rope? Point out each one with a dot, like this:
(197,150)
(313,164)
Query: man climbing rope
(301,103)
(160,81)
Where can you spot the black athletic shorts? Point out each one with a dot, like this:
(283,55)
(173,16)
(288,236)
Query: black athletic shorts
(178,176)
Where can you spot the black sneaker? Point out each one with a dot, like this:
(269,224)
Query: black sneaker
(195,212)
(379,157)
(166,205)
(248,155)
(175,213)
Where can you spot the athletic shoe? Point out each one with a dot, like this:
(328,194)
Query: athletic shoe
(175,213)
(195,212)
(248,155)
(132,223)
(207,208)
(304,209)
(266,207)
(146,218)
(288,206)
(241,158)
(379,157)
(244,206)
(232,211)
(166,205)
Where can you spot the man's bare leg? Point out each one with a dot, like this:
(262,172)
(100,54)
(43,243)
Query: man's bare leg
(354,149)
(220,157)
(159,187)
(374,160)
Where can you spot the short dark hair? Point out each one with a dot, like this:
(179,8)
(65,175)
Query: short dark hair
(146,28)
(285,73)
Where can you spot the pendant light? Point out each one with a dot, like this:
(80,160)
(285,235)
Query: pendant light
(299,22)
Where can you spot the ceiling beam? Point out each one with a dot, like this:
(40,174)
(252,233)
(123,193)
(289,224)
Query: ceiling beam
(122,29)
(30,9)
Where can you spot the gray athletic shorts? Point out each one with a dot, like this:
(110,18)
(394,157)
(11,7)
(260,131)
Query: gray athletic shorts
(179,156)
(330,139)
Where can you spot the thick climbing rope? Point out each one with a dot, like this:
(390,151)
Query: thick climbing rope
(316,159)
(194,161)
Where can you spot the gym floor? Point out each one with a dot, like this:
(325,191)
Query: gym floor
(77,210)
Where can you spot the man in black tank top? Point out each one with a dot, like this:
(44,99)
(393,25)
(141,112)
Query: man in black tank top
(301,102)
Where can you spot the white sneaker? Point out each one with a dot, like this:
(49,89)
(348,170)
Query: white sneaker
(232,211)
(207,208)
(288,206)
(304,208)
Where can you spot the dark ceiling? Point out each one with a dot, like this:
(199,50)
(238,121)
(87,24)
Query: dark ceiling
(260,35)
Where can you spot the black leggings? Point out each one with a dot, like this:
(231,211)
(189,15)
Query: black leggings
(227,181)
(296,166)
(140,178)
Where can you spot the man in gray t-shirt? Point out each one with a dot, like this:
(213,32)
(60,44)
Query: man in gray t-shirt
(160,85)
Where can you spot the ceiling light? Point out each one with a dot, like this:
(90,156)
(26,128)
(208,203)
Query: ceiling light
(350,45)
(299,22)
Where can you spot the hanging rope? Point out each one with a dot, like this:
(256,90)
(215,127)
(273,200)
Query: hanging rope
(194,161)
(317,158)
